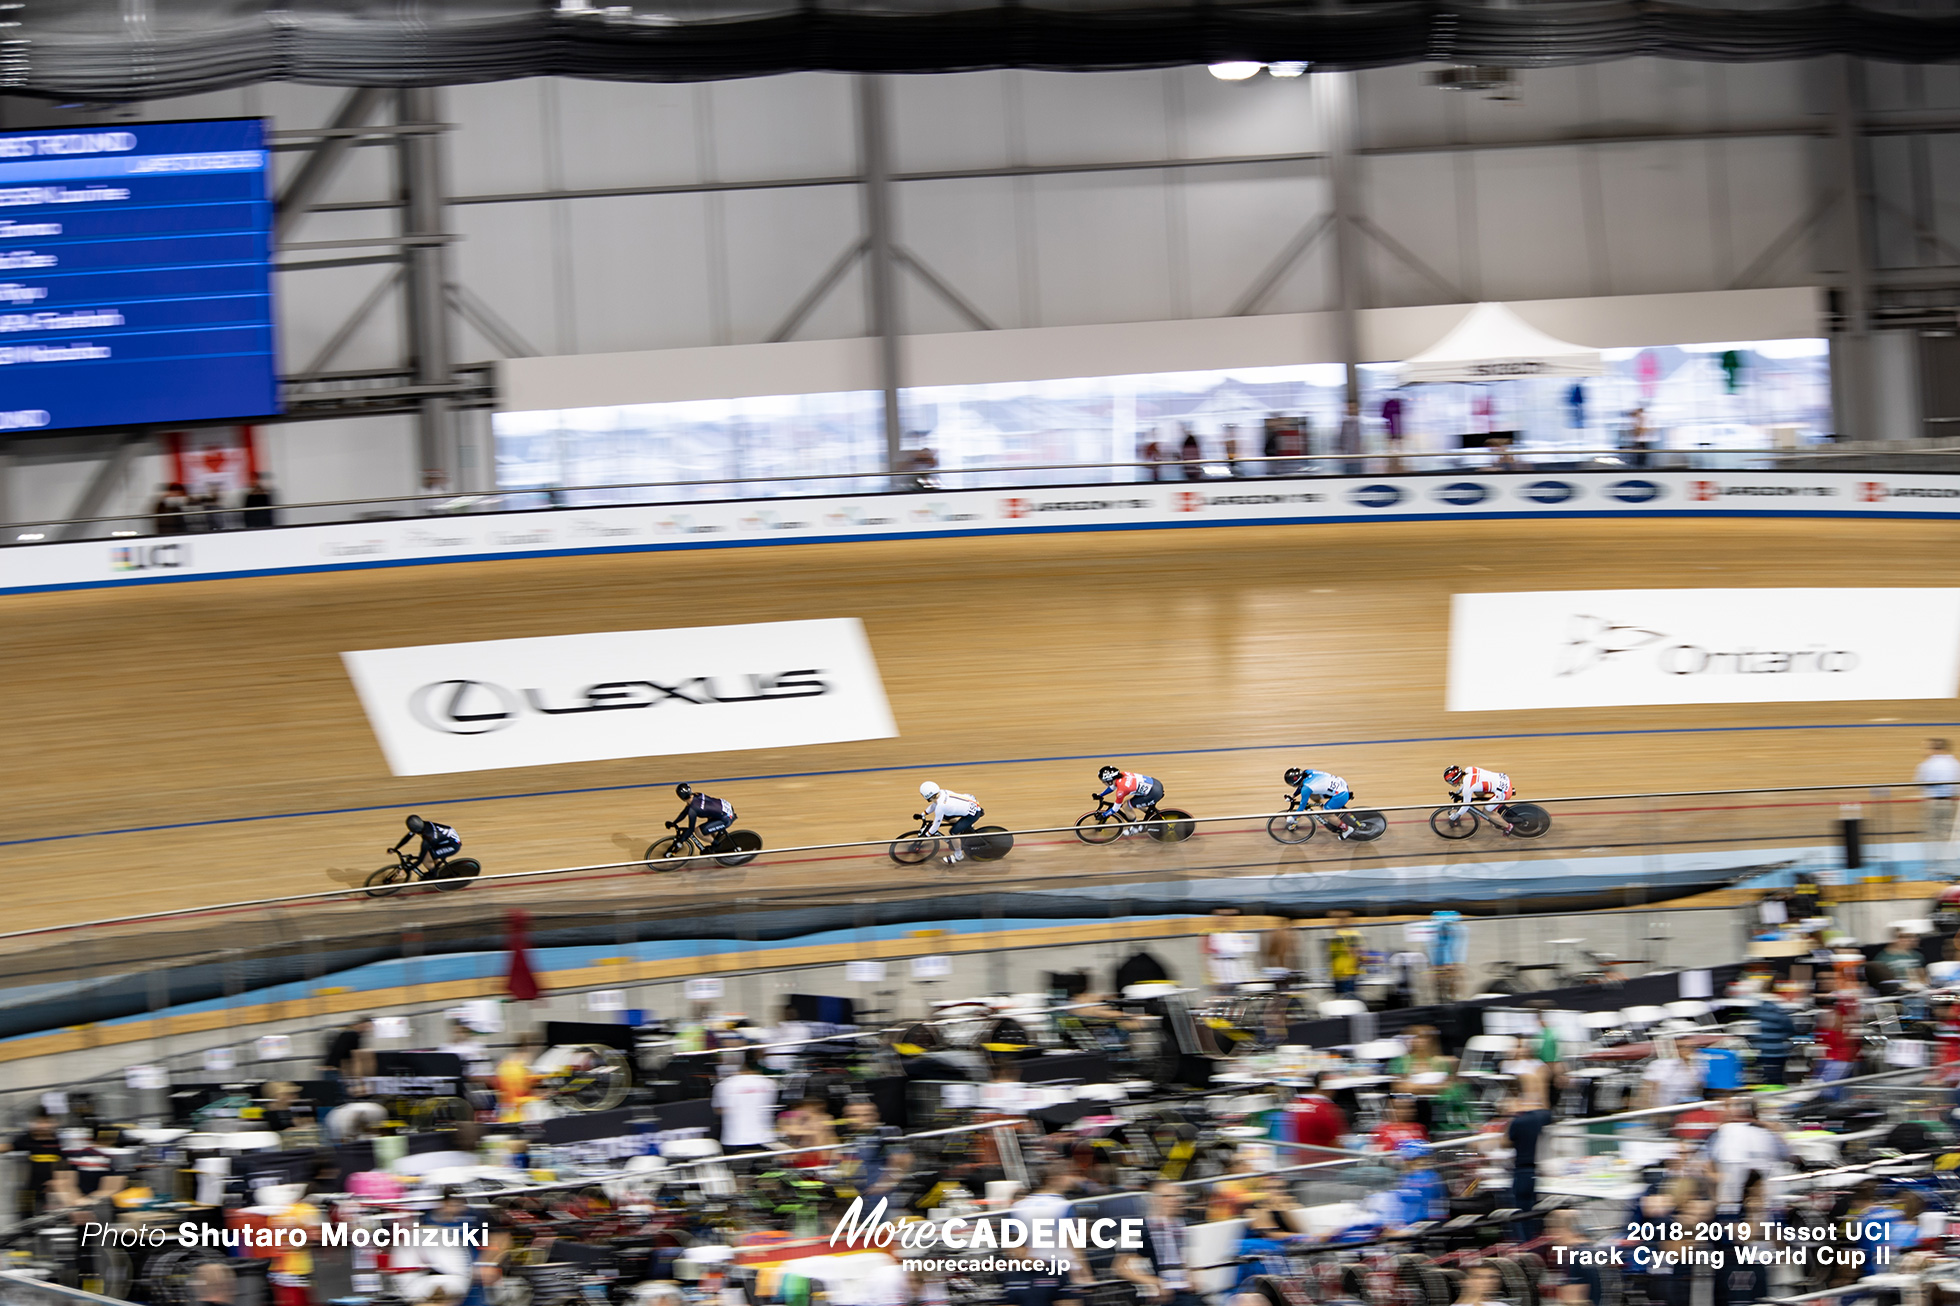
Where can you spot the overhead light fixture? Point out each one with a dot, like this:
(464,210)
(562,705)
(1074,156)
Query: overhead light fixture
(1236,71)
(1290,69)
(31,536)
(122,535)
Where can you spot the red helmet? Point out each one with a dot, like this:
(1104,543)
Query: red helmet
(1452,774)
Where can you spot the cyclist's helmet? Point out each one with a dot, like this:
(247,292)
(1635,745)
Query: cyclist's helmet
(1452,774)
(1295,774)
(1108,774)
(928,790)
(415,824)
(683,790)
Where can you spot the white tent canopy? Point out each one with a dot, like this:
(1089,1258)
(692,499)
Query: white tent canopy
(1492,343)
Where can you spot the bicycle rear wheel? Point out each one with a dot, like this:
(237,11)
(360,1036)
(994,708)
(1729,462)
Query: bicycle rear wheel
(912,848)
(458,874)
(989,843)
(1365,826)
(389,881)
(1446,823)
(1171,826)
(1528,820)
(660,854)
(738,847)
(1097,827)
(1296,828)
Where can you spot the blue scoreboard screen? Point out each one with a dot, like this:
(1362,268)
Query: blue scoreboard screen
(135,275)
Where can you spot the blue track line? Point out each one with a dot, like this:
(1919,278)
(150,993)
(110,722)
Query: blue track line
(998,761)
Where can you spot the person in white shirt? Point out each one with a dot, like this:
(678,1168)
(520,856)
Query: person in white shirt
(1740,1146)
(1938,778)
(745,1104)
(1669,1079)
(965,810)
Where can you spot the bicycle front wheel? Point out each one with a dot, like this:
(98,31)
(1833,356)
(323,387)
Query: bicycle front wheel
(661,854)
(1296,828)
(912,848)
(1171,826)
(1445,822)
(389,881)
(1097,827)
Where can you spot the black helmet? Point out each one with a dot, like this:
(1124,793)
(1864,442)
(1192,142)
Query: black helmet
(683,790)
(415,824)
(1294,775)
(1107,774)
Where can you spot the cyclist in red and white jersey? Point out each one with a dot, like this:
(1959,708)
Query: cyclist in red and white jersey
(1468,784)
(1130,789)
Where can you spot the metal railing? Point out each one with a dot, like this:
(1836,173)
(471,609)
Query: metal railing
(1894,456)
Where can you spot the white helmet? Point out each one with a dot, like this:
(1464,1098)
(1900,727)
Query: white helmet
(928,790)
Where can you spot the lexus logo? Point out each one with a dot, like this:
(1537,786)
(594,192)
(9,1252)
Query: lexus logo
(464,707)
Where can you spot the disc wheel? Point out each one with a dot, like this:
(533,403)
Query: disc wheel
(389,881)
(660,855)
(1293,828)
(911,848)
(992,844)
(1448,825)
(738,847)
(1171,826)
(1098,827)
(1528,820)
(459,873)
(1366,826)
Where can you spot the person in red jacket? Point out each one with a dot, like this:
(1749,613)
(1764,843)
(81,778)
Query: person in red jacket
(1400,1127)
(1313,1119)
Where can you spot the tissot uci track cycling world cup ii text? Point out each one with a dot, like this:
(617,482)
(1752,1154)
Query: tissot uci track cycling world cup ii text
(135,276)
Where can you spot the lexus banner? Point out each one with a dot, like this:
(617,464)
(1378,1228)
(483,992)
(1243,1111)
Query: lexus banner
(440,708)
(1612,648)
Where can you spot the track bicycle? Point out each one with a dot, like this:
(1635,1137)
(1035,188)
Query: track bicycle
(986,843)
(1458,820)
(455,873)
(1298,826)
(674,852)
(1109,823)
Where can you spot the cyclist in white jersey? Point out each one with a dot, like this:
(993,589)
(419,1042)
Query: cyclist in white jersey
(1468,784)
(964,809)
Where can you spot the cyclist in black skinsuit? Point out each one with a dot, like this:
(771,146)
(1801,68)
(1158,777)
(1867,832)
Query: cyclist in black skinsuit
(439,842)
(713,815)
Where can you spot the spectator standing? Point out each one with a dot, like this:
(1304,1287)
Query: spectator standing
(1670,1079)
(1160,1273)
(258,504)
(41,1145)
(1344,945)
(1776,1028)
(1741,1146)
(167,513)
(347,1057)
(1640,438)
(745,1105)
(1447,944)
(1314,1120)
(1348,442)
(1191,454)
(1938,778)
(1523,1131)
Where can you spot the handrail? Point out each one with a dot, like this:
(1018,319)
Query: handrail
(1525,454)
(527,876)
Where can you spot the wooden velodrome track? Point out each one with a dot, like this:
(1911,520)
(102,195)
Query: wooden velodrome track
(181,745)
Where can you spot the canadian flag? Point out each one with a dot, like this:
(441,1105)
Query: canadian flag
(1872,491)
(1704,491)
